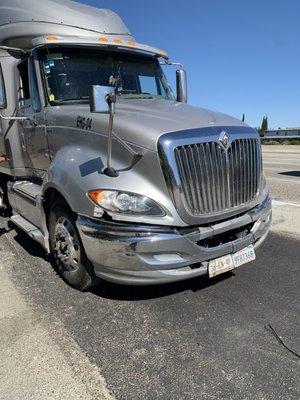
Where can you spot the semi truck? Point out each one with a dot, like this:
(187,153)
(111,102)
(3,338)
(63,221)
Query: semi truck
(115,176)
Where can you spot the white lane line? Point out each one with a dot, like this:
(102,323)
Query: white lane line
(281,159)
(277,157)
(284,203)
(282,163)
(283,180)
(282,153)
(279,169)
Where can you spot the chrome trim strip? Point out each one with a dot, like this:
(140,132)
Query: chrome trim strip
(24,196)
(119,250)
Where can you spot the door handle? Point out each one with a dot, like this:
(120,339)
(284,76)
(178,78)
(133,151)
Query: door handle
(33,123)
(28,121)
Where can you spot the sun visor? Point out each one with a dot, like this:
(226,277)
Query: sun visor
(108,41)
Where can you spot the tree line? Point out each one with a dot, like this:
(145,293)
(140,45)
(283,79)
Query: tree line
(263,127)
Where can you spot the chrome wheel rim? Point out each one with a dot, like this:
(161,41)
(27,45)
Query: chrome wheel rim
(66,245)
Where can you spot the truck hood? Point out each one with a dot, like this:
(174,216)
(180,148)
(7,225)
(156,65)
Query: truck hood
(142,122)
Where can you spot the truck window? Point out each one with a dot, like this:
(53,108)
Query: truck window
(69,73)
(149,84)
(34,89)
(2,91)
(24,96)
(29,93)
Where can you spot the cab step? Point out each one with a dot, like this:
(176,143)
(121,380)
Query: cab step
(31,230)
(25,198)
(29,190)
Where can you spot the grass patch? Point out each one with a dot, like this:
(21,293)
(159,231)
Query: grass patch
(281,141)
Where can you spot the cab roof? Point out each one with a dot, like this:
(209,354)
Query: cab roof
(64,12)
(31,23)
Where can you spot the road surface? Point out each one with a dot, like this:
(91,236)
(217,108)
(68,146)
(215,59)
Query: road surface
(201,339)
(282,170)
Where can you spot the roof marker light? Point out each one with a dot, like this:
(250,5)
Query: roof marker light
(51,38)
(118,41)
(163,53)
(131,43)
(103,39)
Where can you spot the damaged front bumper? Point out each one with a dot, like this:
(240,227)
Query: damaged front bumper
(143,254)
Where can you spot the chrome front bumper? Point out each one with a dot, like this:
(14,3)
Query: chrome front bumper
(143,254)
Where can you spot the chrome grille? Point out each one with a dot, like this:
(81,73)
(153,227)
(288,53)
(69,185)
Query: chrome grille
(214,179)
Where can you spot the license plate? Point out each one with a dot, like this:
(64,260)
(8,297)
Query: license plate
(231,261)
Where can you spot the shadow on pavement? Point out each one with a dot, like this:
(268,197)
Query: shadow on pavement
(114,291)
(290,173)
(2,231)
(28,244)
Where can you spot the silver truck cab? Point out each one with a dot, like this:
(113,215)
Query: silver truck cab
(110,172)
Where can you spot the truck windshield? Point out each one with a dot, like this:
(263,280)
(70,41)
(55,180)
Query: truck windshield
(70,73)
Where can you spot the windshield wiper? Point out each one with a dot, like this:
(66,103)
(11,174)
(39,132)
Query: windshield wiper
(137,95)
(71,99)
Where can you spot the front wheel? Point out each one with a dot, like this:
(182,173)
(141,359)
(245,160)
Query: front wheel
(67,250)
(5,208)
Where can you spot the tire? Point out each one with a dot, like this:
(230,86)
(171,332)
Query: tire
(5,210)
(67,250)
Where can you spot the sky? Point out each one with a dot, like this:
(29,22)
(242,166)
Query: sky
(241,56)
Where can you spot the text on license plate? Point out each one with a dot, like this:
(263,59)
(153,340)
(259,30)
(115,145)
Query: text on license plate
(231,261)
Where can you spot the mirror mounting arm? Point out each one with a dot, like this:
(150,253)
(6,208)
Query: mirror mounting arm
(103,100)
(177,64)
(111,101)
(20,119)
(13,118)
(13,49)
(181,81)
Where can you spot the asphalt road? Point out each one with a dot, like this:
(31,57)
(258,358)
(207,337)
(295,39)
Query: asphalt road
(201,339)
(282,169)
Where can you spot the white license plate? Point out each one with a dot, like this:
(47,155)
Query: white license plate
(231,261)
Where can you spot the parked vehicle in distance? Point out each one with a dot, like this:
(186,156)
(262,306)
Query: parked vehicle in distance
(106,169)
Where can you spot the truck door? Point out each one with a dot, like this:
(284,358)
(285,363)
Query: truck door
(33,131)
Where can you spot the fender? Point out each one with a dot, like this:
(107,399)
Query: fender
(78,168)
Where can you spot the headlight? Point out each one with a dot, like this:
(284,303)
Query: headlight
(124,202)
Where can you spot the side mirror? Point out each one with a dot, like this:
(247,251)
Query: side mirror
(181,83)
(103,100)
(98,98)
